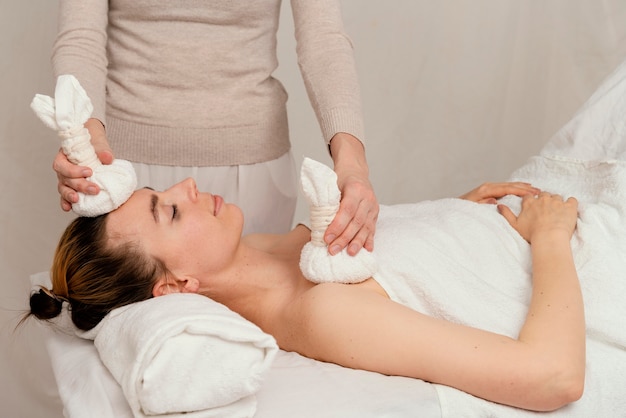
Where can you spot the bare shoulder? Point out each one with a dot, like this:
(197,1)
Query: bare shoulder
(351,325)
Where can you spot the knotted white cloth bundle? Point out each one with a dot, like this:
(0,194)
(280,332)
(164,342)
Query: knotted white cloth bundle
(319,184)
(67,113)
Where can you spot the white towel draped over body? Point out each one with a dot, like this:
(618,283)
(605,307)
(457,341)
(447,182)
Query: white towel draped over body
(184,354)
(67,113)
(461,261)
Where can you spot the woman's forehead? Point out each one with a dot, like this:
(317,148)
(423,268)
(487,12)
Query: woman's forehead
(132,212)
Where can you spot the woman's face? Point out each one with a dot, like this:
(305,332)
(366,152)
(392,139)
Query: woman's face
(194,234)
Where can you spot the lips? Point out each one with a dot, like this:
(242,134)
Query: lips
(218,201)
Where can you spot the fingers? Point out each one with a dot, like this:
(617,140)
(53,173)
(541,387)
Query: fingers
(517,188)
(99,141)
(489,192)
(522,189)
(572,201)
(546,213)
(543,196)
(65,205)
(507,214)
(354,225)
(103,151)
(71,180)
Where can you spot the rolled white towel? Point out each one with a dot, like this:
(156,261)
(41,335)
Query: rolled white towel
(67,113)
(185,355)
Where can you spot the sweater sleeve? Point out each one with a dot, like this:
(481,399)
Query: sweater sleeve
(326,61)
(80,48)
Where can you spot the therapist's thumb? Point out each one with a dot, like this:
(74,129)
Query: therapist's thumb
(105,154)
(99,141)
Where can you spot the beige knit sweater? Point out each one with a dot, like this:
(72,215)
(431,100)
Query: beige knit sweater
(189,82)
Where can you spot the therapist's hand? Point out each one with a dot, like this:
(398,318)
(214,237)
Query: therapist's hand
(72,177)
(354,224)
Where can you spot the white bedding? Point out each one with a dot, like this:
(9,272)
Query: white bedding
(300,387)
(295,386)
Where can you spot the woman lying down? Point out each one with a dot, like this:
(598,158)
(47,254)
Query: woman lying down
(180,240)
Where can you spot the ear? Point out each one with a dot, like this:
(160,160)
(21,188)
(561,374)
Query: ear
(169,284)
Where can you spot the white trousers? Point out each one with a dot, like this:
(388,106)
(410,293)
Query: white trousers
(265,192)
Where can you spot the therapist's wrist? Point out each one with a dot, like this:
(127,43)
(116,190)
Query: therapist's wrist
(348,153)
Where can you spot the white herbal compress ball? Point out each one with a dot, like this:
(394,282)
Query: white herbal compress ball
(67,113)
(319,184)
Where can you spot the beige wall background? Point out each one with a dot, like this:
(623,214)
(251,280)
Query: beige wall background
(455,93)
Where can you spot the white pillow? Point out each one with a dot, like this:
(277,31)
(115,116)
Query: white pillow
(185,352)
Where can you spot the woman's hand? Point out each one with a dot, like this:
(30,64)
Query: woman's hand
(490,192)
(354,225)
(543,214)
(72,177)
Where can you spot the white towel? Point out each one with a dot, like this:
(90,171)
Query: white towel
(67,113)
(461,261)
(185,354)
(319,184)
(599,246)
(470,267)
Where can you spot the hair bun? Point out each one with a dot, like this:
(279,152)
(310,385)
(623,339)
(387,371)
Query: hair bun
(45,305)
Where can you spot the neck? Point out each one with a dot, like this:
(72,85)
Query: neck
(265,274)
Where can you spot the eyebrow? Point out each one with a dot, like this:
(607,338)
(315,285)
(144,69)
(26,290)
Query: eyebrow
(154,202)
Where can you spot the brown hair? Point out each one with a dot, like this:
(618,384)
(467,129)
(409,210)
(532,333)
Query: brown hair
(94,276)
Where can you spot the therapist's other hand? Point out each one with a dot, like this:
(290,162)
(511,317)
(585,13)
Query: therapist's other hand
(490,192)
(72,177)
(354,224)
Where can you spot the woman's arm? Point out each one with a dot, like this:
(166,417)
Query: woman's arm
(555,323)
(541,370)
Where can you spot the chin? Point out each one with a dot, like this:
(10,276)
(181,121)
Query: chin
(239,215)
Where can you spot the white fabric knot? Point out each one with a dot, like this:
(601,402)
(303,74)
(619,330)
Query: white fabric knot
(67,113)
(321,217)
(319,185)
(76,145)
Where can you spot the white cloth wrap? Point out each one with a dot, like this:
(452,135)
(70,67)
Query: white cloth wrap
(76,145)
(67,113)
(319,185)
(321,217)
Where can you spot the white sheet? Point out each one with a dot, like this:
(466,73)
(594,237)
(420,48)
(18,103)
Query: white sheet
(295,386)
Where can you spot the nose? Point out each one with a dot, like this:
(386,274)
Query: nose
(187,187)
(191,188)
